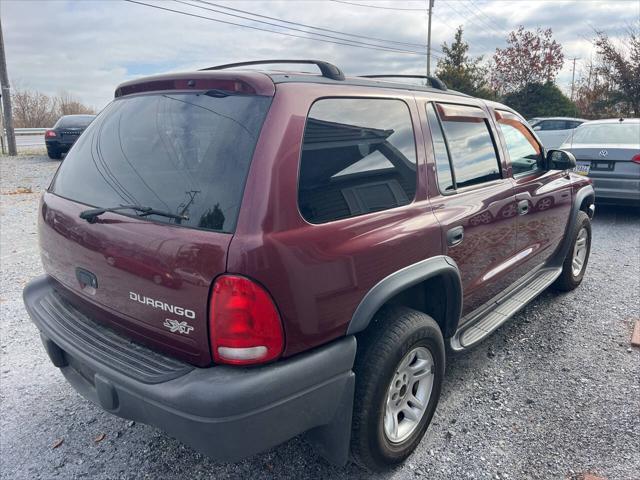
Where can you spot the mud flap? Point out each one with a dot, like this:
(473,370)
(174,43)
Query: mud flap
(333,439)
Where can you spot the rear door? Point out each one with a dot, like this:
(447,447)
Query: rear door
(475,203)
(543,196)
(183,153)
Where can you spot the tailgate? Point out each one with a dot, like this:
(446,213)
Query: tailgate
(173,164)
(152,280)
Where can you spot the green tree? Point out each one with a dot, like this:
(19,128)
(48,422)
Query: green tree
(460,71)
(540,100)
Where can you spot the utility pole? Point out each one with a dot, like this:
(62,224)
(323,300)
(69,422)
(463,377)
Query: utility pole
(430,11)
(573,76)
(6,99)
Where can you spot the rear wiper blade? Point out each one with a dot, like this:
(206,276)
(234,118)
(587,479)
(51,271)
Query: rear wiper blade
(92,214)
(217,93)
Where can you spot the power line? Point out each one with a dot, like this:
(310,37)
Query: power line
(280,26)
(421,45)
(491,21)
(466,21)
(379,6)
(380,48)
(474,17)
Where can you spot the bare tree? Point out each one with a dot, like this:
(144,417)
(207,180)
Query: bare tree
(34,109)
(69,105)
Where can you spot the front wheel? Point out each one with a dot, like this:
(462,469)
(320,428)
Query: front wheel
(399,371)
(575,264)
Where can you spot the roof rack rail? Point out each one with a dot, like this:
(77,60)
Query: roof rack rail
(327,69)
(434,81)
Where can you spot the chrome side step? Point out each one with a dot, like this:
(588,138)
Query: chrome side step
(481,323)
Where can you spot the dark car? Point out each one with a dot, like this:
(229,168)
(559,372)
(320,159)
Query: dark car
(64,133)
(325,237)
(608,151)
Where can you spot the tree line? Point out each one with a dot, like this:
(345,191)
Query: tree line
(523,75)
(34,109)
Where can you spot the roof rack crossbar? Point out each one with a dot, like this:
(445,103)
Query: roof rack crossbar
(433,81)
(327,69)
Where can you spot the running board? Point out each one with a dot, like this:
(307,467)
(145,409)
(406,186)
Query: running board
(480,325)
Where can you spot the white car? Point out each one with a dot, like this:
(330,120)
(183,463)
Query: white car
(553,131)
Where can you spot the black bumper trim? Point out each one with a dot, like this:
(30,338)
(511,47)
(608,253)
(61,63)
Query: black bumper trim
(227,413)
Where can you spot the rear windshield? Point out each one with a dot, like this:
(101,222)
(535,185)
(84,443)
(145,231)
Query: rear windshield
(74,122)
(182,153)
(607,133)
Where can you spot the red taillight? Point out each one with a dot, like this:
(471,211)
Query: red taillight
(636,158)
(50,134)
(245,326)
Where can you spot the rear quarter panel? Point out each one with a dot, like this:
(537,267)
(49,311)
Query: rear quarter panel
(317,274)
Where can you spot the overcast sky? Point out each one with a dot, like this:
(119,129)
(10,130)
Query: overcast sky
(88,47)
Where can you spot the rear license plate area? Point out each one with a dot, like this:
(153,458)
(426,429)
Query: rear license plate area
(601,166)
(582,168)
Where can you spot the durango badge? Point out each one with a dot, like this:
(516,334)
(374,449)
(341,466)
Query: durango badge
(167,307)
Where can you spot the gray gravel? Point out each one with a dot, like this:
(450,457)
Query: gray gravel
(554,393)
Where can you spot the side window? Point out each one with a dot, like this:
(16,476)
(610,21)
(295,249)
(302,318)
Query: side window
(524,151)
(358,156)
(471,148)
(443,167)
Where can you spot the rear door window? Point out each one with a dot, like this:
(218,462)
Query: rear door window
(358,156)
(183,153)
(471,147)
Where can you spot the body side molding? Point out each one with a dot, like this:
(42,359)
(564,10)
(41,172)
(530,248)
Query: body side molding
(407,277)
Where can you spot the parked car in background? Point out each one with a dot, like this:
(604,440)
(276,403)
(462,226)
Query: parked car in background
(608,151)
(64,133)
(554,130)
(214,246)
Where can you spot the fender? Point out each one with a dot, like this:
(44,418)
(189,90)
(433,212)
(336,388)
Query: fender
(585,192)
(407,277)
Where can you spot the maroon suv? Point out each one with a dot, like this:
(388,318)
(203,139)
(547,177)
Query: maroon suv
(239,256)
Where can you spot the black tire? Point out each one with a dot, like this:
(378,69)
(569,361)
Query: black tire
(393,333)
(567,281)
(54,154)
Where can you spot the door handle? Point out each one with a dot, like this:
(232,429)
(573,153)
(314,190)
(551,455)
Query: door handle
(455,235)
(523,207)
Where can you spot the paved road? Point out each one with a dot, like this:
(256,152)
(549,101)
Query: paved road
(551,395)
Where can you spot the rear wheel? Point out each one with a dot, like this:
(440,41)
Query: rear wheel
(575,264)
(399,372)
(54,154)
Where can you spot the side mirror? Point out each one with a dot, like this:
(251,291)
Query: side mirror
(560,160)
(537,128)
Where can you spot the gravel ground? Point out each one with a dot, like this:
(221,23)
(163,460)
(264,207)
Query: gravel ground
(554,393)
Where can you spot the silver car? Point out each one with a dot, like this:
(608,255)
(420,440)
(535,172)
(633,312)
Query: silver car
(552,131)
(608,151)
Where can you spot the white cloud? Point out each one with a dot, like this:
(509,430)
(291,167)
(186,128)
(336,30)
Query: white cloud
(89,47)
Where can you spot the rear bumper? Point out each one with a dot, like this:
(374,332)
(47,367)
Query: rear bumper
(227,413)
(61,146)
(617,190)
